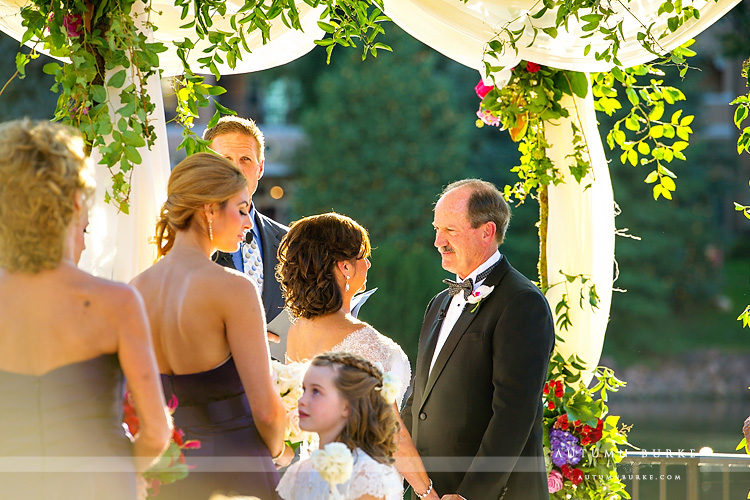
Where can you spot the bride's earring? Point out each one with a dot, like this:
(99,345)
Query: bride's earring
(346,288)
(210,229)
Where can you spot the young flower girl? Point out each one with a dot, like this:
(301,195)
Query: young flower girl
(347,402)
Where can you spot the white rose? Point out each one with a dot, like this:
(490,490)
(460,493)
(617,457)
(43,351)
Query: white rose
(391,386)
(293,432)
(334,463)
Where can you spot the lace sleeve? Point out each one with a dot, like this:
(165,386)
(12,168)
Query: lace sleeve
(377,348)
(373,478)
(302,482)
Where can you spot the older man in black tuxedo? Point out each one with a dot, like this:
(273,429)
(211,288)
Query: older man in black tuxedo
(242,142)
(475,412)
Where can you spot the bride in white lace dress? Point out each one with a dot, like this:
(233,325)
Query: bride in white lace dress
(323,262)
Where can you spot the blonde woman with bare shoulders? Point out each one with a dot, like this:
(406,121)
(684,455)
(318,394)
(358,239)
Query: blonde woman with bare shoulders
(323,263)
(209,335)
(66,337)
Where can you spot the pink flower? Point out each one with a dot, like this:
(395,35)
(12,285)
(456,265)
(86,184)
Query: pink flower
(489,118)
(532,67)
(482,90)
(73,23)
(554,481)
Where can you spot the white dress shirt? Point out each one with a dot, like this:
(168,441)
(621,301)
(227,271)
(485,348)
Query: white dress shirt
(457,304)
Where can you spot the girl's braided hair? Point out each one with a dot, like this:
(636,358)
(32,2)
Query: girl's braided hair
(372,424)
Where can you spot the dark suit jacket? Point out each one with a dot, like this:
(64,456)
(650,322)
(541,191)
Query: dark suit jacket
(271,233)
(476,420)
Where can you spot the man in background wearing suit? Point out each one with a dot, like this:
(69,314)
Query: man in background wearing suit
(242,142)
(475,412)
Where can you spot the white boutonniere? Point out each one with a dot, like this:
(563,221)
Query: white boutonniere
(334,463)
(478,295)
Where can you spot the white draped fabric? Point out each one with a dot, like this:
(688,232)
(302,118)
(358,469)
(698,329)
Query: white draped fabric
(581,223)
(580,237)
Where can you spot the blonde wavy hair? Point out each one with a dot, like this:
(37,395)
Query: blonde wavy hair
(42,167)
(200,179)
(372,424)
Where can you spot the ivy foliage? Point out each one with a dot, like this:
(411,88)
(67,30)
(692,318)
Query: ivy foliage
(102,90)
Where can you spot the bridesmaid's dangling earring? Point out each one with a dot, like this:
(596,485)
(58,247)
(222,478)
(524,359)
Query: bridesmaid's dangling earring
(346,288)
(210,230)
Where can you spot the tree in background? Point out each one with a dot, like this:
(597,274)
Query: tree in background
(30,97)
(384,137)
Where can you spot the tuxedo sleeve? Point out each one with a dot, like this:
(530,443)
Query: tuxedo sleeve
(522,341)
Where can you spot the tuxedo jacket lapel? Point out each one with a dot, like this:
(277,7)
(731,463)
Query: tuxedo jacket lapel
(428,350)
(463,323)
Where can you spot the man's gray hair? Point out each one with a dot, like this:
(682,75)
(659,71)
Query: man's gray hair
(486,204)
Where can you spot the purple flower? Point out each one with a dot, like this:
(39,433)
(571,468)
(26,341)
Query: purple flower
(564,448)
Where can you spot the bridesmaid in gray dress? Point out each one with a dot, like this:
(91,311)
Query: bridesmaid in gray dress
(66,337)
(209,335)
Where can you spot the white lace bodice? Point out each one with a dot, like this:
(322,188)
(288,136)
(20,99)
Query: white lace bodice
(377,348)
(369,477)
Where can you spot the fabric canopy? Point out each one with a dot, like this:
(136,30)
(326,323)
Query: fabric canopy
(581,222)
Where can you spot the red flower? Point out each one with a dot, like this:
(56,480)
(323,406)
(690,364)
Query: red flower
(566,470)
(587,429)
(561,422)
(576,476)
(550,405)
(595,436)
(585,440)
(559,390)
(532,67)
(546,388)
(482,90)
(600,425)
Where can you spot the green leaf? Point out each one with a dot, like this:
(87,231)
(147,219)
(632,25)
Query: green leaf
(579,83)
(99,93)
(652,177)
(632,96)
(117,80)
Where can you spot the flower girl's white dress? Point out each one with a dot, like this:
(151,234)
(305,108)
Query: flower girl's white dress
(369,477)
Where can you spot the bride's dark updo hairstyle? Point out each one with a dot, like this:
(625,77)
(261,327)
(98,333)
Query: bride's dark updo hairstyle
(307,259)
(200,179)
(372,424)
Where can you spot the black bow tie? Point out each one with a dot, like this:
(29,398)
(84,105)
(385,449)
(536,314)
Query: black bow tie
(467,285)
(454,287)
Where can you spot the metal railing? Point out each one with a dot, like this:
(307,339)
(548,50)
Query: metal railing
(637,467)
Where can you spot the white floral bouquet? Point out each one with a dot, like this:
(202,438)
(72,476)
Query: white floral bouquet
(334,463)
(288,381)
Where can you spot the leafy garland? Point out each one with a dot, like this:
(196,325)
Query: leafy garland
(103,92)
(743,144)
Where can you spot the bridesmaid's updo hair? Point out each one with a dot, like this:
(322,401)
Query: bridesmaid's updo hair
(200,179)
(42,167)
(307,258)
(372,424)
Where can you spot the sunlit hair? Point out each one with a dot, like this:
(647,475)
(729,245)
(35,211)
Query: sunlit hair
(372,424)
(232,124)
(486,204)
(307,259)
(42,167)
(200,179)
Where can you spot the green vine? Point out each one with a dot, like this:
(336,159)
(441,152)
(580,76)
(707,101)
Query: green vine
(587,295)
(653,140)
(102,87)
